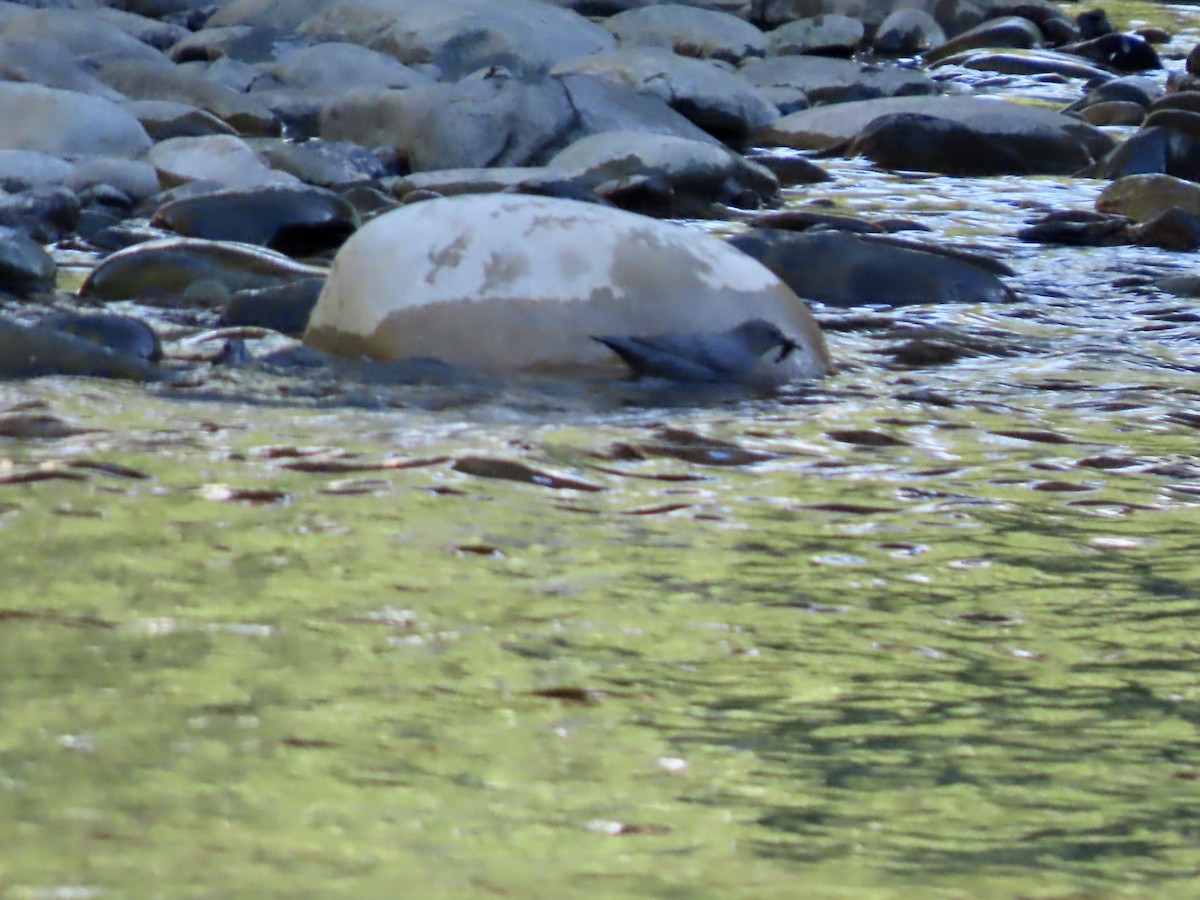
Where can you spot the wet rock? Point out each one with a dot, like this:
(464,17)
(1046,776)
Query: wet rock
(1010,31)
(1168,142)
(843,269)
(907,32)
(689,31)
(284,308)
(67,123)
(1078,228)
(951,132)
(44,214)
(817,79)
(456,36)
(123,334)
(1136,89)
(804,219)
(519,283)
(34,351)
(713,98)
(296,220)
(1114,113)
(832,35)
(1187,100)
(147,81)
(497,121)
(789,168)
(1093,23)
(1172,229)
(25,268)
(1120,52)
(698,174)
(221,159)
(171,271)
(1144,197)
(1025,62)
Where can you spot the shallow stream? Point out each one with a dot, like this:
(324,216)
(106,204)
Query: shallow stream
(925,631)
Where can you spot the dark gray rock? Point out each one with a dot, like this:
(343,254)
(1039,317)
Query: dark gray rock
(1026,62)
(721,102)
(284,308)
(124,334)
(187,271)
(842,269)
(45,214)
(35,351)
(1035,139)
(25,268)
(298,221)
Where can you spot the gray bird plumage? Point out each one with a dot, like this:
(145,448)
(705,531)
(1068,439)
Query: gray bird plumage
(705,356)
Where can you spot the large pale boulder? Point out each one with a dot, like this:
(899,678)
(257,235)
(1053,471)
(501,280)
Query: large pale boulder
(509,282)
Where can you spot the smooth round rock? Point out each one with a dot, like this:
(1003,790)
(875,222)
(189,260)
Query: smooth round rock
(296,220)
(519,283)
(124,334)
(1144,197)
(168,269)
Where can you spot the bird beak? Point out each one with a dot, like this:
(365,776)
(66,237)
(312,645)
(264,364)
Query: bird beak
(785,350)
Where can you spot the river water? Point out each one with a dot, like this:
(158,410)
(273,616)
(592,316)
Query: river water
(912,631)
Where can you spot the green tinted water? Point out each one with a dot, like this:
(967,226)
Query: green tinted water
(964,665)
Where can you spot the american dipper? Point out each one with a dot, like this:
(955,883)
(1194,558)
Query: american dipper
(706,356)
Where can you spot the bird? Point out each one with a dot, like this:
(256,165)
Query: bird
(704,356)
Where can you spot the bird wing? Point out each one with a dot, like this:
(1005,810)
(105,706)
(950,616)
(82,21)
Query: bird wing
(676,357)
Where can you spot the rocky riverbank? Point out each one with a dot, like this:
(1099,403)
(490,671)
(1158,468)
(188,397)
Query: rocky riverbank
(204,164)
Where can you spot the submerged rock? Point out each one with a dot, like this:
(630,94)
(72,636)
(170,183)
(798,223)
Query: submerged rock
(34,351)
(840,268)
(167,270)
